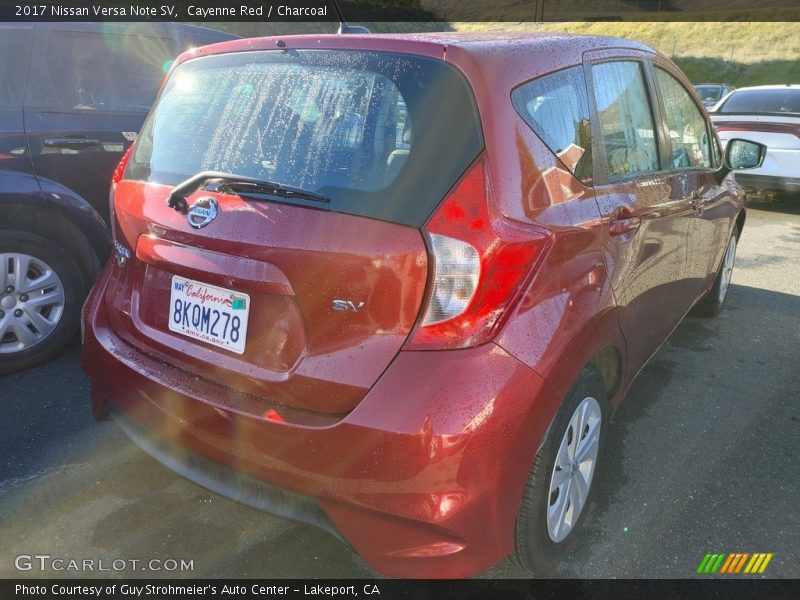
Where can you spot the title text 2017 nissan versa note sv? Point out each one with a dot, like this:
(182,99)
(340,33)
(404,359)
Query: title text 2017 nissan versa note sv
(393,285)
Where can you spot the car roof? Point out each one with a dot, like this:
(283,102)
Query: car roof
(499,60)
(563,47)
(769,87)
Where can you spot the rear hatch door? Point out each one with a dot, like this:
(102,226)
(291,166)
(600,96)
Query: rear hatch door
(314,293)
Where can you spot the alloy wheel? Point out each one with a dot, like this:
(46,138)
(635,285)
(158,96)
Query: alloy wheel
(31,301)
(574,469)
(727,269)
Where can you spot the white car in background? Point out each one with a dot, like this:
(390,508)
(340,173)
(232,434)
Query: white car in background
(769,114)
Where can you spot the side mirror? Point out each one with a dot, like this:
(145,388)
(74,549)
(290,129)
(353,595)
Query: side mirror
(744,154)
(740,155)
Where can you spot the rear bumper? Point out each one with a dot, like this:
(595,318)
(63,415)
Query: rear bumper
(423,478)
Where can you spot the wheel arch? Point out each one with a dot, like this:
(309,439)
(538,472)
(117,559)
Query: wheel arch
(608,362)
(740,219)
(87,251)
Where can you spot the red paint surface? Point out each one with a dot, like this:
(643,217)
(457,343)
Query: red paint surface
(418,457)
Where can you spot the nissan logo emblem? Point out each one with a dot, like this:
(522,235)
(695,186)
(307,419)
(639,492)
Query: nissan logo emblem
(202,212)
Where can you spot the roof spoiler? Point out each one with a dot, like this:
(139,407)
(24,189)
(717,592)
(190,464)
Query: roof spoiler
(344,26)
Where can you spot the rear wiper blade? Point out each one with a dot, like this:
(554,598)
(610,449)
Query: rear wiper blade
(271,188)
(236,184)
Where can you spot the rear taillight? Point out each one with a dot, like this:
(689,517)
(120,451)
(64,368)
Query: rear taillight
(456,273)
(116,177)
(480,264)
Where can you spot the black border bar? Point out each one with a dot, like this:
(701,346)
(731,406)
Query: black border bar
(399,10)
(729,588)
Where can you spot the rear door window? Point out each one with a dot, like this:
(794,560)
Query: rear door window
(15,46)
(86,71)
(626,118)
(688,129)
(382,135)
(556,107)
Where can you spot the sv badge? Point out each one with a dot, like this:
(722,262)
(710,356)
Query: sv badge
(347,305)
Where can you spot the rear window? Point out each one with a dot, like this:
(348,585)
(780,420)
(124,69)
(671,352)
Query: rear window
(556,107)
(773,101)
(383,135)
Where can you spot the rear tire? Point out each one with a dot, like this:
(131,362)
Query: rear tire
(552,510)
(712,303)
(40,308)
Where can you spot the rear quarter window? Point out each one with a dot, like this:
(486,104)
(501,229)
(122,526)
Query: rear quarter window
(383,135)
(556,107)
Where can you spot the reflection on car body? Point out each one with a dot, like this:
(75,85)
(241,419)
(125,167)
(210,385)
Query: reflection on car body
(433,353)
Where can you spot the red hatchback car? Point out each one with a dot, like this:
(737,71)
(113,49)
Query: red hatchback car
(394,285)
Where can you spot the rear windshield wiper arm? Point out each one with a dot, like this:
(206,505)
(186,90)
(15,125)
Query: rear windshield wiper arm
(236,184)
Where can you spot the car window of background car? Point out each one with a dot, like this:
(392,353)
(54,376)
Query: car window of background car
(86,71)
(710,93)
(625,118)
(15,44)
(775,100)
(688,130)
(556,107)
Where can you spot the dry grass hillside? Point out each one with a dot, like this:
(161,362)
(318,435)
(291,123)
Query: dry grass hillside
(740,53)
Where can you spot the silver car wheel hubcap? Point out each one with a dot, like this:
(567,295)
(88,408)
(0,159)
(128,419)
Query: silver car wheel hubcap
(31,301)
(574,469)
(727,269)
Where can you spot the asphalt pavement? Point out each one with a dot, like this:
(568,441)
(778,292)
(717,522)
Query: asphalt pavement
(702,457)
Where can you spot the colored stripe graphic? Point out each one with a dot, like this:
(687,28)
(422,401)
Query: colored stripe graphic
(703,563)
(736,556)
(754,562)
(765,563)
(714,567)
(727,564)
(734,563)
(740,564)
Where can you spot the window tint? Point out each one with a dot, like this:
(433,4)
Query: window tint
(15,44)
(556,108)
(384,135)
(780,100)
(625,118)
(688,131)
(87,71)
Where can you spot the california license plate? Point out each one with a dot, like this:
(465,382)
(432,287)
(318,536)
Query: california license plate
(210,314)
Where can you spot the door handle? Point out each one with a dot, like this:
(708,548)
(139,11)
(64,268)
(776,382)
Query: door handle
(624,220)
(70,142)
